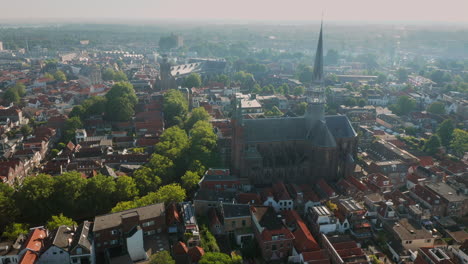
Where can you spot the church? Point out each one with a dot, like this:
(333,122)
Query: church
(295,149)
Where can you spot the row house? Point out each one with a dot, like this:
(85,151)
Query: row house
(274,238)
(219,180)
(233,220)
(125,231)
(342,249)
(12,171)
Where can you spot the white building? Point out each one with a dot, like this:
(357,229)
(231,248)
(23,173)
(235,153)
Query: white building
(322,219)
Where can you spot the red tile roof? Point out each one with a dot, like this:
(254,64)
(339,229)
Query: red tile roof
(196,253)
(180,248)
(303,239)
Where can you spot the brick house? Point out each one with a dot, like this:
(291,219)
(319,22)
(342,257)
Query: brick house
(274,238)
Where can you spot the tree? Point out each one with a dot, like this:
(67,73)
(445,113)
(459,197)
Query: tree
(436,108)
(190,180)
(459,143)
(71,125)
(203,142)
(161,257)
(78,111)
(120,109)
(404,105)
(60,76)
(8,210)
(34,198)
(99,194)
(361,102)
(122,90)
(49,76)
(108,74)
(162,166)
(175,107)
(402,75)
(59,220)
(67,197)
(274,112)
(13,230)
(445,132)
(193,80)
(171,193)
(216,258)
(432,145)
(332,57)
(173,143)
(54,153)
(125,188)
(299,90)
(331,206)
(146,180)
(197,114)
(11,96)
(26,130)
(306,74)
(301,108)
(20,89)
(120,76)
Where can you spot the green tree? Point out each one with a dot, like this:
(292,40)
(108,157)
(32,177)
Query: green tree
(193,80)
(20,88)
(8,210)
(71,125)
(402,75)
(162,166)
(436,108)
(306,74)
(11,96)
(404,105)
(459,143)
(54,153)
(173,143)
(197,114)
(161,257)
(125,188)
(299,90)
(332,57)
(301,108)
(146,180)
(175,107)
(13,230)
(49,76)
(190,180)
(59,220)
(432,145)
(203,142)
(122,90)
(34,198)
(120,76)
(124,205)
(68,193)
(78,111)
(171,193)
(108,74)
(120,109)
(99,194)
(274,112)
(445,132)
(216,258)
(60,76)
(26,130)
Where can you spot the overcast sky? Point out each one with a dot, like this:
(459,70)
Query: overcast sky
(281,10)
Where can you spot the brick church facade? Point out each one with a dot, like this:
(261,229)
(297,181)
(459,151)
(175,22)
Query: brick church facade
(295,149)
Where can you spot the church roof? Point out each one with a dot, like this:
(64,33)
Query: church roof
(294,128)
(340,126)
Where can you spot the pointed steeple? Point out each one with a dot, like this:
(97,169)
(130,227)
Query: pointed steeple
(318,64)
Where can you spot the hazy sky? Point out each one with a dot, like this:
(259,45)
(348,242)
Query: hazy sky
(334,10)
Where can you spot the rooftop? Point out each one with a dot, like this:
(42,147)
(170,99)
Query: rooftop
(407,231)
(115,219)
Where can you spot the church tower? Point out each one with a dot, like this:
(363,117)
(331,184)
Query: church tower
(315,92)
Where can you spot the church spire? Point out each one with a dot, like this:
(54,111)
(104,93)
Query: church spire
(318,64)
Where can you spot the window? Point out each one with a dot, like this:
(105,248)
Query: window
(114,232)
(273,247)
(428,240)
(114,242)
(55,253)
(98,244)
(149,233)
(243,222)
(79,251)
(233,223)
(146,224)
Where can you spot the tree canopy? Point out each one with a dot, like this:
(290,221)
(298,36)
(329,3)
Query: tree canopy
(436,108)
(445,132)
(219,258)
(459,143)
(432,145)
(13,230)
(175,108)
(193,80)
(59,220)
(197,114)
(404,105)
(161,257)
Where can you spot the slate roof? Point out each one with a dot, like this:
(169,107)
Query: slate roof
(236,210)
(294,128)
(81,237)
